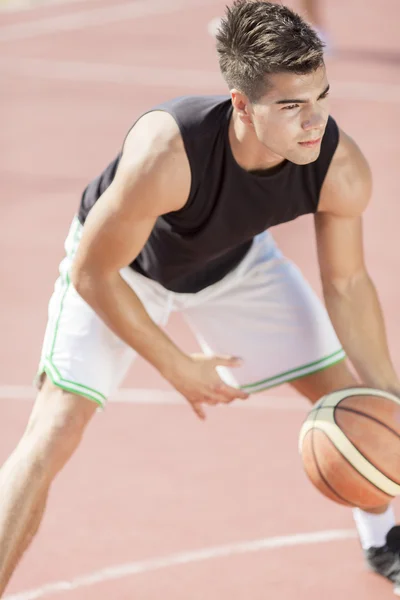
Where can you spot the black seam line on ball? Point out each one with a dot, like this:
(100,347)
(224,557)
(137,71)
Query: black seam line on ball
(358,449)
(355,468)
(359,412)
(328,485)
(336,407)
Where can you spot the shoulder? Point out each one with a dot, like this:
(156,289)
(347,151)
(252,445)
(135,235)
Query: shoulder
(154,158)
(155,136)
(348,184)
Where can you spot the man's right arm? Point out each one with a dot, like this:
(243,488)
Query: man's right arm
(153,178)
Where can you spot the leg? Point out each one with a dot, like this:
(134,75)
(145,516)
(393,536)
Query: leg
(379,536)
(32,529)
(53,433)
(82,363)
(311,11)
(266,313)
(324,382)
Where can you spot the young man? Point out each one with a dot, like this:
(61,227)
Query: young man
(178,222)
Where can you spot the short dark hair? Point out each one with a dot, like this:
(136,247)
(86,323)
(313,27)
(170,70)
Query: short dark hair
(257,38)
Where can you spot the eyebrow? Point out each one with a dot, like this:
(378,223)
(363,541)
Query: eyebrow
(298,101)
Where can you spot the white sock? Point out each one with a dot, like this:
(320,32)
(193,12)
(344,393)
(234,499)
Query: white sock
(373,529)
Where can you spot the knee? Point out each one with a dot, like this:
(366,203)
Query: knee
(55,429)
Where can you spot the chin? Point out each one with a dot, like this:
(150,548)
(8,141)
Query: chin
(304,157)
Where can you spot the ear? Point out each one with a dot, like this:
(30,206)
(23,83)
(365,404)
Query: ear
(242,106)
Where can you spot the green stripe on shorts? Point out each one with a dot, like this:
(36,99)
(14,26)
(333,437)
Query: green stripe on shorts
(308,369)
(47,365)
(72,386)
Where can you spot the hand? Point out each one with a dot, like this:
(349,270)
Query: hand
(198,381)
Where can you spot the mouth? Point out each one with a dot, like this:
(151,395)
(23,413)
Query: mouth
(311,143)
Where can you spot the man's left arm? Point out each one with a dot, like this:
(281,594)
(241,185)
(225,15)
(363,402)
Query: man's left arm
(350,295)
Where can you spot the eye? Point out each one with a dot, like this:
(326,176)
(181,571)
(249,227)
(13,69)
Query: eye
(324,96)
(290,107)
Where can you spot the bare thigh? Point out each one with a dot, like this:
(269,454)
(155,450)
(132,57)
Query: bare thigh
(323,382)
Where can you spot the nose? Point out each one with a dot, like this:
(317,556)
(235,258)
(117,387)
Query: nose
(315,120)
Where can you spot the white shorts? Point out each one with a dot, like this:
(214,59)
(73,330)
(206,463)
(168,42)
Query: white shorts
(263,311)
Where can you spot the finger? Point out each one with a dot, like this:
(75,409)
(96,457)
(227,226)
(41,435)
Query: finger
(209,399)
(232,393)
(217,395)
(242,394)
(217,398)
(228,361)
(198,410)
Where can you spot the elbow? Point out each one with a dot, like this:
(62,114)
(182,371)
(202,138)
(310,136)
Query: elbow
(91,283)
(82,281)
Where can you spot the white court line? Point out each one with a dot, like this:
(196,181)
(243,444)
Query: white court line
(158,397)
(190,79)
(13,6)
(148,566)
(111,73)
(84,19)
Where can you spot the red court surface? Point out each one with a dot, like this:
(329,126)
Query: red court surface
(157,504)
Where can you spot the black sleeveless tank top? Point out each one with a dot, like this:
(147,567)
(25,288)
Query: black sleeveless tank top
(196,246)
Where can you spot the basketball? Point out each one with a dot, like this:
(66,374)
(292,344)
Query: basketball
(350,447)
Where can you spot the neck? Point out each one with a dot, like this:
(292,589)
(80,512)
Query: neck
(247,150)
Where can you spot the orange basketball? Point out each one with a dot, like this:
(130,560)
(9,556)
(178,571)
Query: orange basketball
(350,447)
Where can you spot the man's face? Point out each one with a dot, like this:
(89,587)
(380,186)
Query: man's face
(290,119)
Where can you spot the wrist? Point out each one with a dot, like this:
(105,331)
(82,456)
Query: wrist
(173,364)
